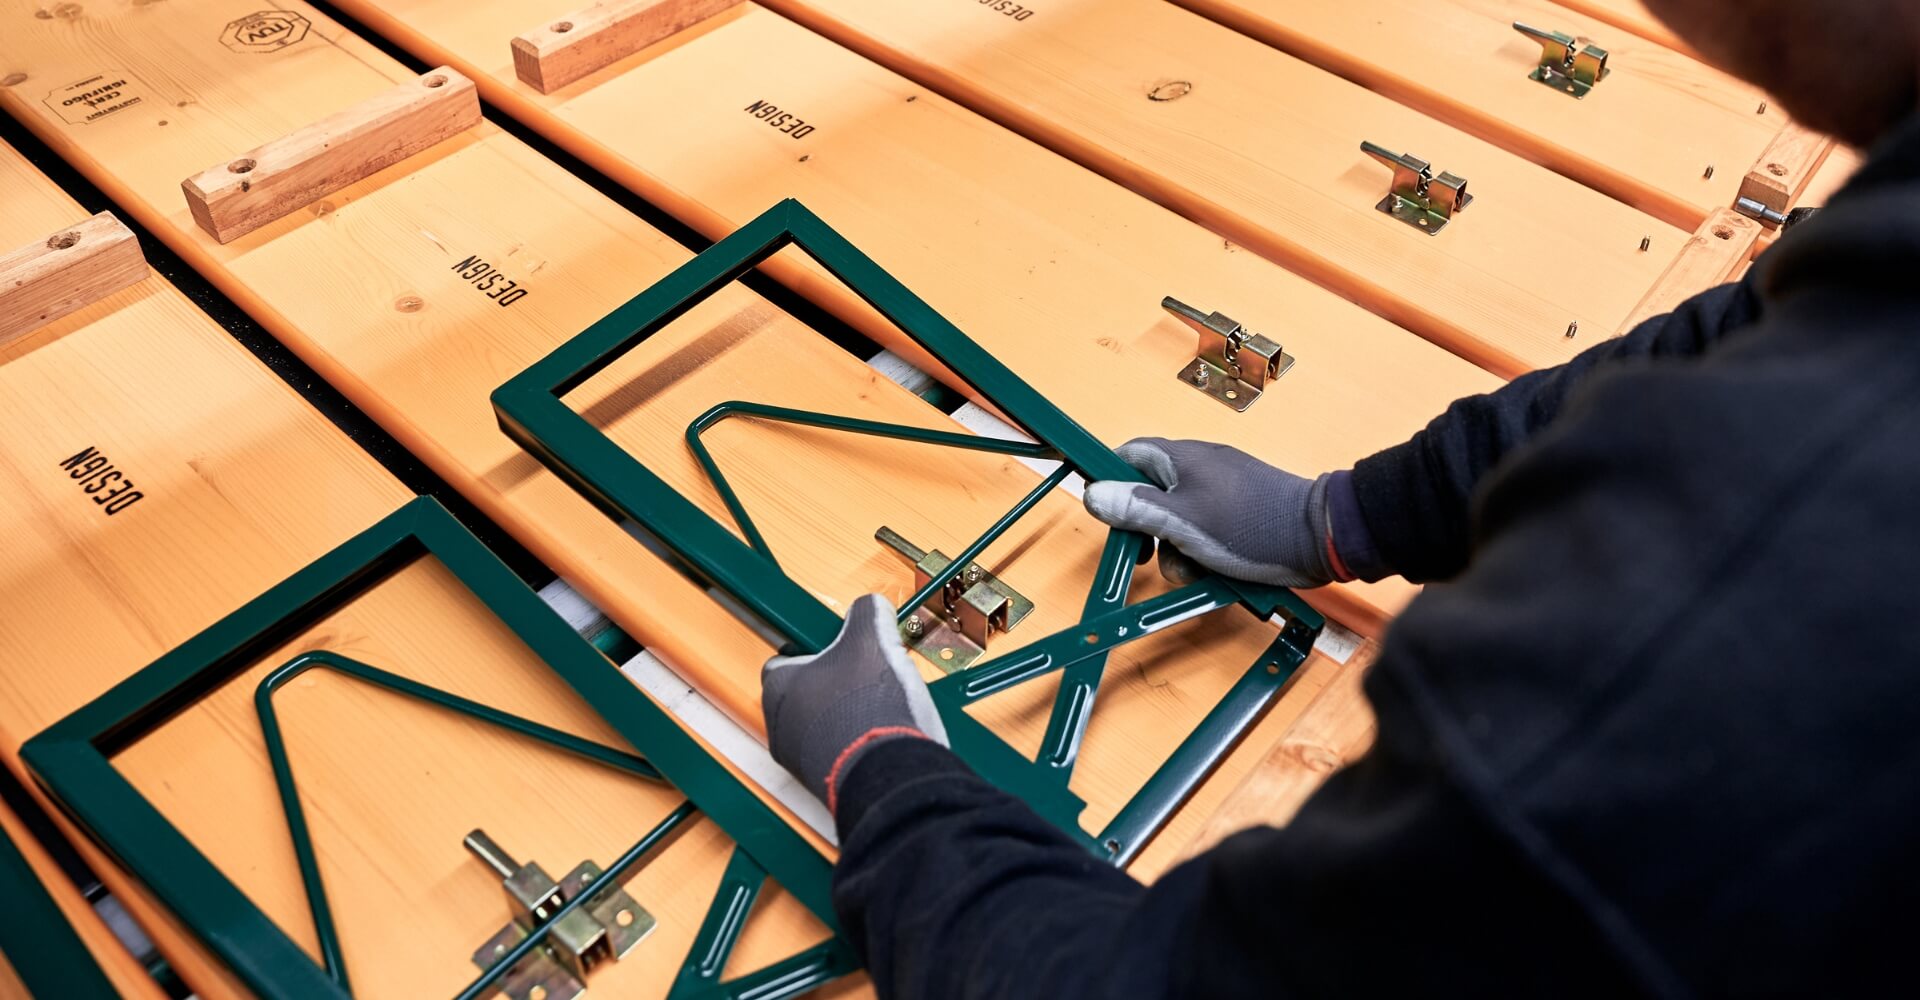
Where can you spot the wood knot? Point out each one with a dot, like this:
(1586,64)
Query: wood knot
(409,303)
(1172,90)
(13,79)
(1316,758)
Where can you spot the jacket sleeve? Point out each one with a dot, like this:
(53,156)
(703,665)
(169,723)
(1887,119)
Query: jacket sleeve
(1414,497)
(1390,881)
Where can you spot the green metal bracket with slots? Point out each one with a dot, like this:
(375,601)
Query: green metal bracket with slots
(531,410)
(73,760)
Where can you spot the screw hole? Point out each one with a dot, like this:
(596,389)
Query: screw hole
(435,80)
(1273,668)
(1092,637)
(946,652)
(1723,232)
(1777,169)
(62,241)
(562,27)
(537,993)
(241,166)
(1233,394)
(1423,222)
(624,918)
(1113,846)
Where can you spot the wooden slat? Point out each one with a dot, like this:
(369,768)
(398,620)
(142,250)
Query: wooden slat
(68,269)
(1711,257)
(1061,250)
(1646,134)
(286,174)
(1831,176)
(1265,150)
(572,45)
(1786,167)
(1629,15)
(369,288)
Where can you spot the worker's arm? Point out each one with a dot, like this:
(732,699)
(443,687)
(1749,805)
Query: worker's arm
(1403,511)
(1392,878)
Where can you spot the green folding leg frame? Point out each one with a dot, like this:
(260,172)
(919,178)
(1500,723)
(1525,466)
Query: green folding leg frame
(38,943)
(73,760)
(531,410)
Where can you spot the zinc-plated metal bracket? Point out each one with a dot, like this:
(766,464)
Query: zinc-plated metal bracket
(952,630)
(1417,197)
(1566,64)
(1232,363)
(608,927)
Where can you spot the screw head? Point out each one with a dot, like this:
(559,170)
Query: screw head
(973,575)
(1200,376)
(913,627)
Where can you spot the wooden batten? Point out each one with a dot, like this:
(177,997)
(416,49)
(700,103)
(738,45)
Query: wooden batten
(1712,256)
(234,198)
(67,271)
(569,47)
(1786,167)
(1630,15)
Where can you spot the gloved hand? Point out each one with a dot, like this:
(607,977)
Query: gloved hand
(823,711)
(1224,509)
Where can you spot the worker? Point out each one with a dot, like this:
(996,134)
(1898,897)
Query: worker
(1653,725)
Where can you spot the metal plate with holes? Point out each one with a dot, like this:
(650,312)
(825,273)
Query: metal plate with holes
(1416,215)
(1213,380)
(536,977)
(627,922)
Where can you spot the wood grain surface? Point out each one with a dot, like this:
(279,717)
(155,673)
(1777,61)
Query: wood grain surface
(1265,149)
(1057,271)
(73,266)
(1646,134)
(369,288)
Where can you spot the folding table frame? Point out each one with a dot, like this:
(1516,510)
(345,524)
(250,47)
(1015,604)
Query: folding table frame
(72,759)
(531,410)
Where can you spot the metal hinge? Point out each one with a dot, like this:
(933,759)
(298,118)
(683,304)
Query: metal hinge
(953,628)
(1417,197)
(1232,364)
(1566,65)
(607,927)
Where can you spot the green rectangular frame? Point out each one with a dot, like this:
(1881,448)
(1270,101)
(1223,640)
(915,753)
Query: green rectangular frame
(72,758)
(531,410)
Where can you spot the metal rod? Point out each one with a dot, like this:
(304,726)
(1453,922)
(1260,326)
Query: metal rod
(972,552)
(482,846)
(482,986)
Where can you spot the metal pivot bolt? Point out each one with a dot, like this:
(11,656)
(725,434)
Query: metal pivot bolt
(606,927)
(1417,197)
(1231,363)
(953,628)
(1565,64)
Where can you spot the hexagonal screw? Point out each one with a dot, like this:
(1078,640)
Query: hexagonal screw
(913,627)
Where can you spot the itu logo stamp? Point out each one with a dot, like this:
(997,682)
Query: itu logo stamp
(265,31)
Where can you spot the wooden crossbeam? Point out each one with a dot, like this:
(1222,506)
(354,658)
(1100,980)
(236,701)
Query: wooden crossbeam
(573,45)
(66,271)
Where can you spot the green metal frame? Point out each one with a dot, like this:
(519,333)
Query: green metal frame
(532,412)
(72,759)
(45,952)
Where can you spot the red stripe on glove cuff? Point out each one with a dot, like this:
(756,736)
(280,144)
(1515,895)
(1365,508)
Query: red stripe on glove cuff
(870,736)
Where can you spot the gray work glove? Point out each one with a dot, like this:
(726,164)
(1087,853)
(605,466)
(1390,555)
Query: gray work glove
(826,709)
(1221,508)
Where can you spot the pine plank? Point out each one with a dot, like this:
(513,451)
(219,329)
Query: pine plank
(1021,240)
(1713,256)
(1265,150)
(1646,134)
(574,44)
(65,270)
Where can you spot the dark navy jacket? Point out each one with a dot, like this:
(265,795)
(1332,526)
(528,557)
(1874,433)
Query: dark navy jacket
(1655,732)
